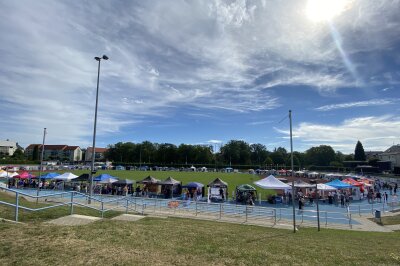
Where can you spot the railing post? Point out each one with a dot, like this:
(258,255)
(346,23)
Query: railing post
(72,203)
(126,211)
(275,215)
(350,222)
(16,206)
(359,210)
(196,208)
(102,209)
(302,217)
(326,218)
(220,211)
(372,207)
(246,213)
(135,204)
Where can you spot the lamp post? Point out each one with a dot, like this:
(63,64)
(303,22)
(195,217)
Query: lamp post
(92,170)
(41,163)
(292,173)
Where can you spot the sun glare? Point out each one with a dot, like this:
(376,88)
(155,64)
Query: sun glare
(325,10)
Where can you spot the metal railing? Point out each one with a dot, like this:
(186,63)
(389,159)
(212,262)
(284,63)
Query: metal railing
(179,208)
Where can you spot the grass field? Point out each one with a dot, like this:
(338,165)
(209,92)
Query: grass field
(233,179)
(174,241)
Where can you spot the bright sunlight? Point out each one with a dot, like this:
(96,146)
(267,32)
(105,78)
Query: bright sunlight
(325,10)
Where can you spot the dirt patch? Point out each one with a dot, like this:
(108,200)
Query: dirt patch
(128,217)
(74,219)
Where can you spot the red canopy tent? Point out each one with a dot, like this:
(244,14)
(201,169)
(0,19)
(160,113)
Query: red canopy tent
(24,175)
(353,182)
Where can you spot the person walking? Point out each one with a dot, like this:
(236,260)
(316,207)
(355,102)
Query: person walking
(342,199)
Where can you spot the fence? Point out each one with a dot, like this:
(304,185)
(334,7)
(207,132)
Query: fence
(178,208)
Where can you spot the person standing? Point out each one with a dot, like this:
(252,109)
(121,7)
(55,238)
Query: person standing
(342,199)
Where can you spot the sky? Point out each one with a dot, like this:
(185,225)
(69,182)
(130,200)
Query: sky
(202,72)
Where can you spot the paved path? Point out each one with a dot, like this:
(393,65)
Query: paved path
(74,219)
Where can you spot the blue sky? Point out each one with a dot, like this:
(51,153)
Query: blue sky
(201,72)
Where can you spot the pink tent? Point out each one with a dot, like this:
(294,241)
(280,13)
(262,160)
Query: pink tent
(24,175)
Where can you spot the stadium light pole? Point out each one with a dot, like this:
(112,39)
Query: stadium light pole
(92,170)
(291,159)
(41,164)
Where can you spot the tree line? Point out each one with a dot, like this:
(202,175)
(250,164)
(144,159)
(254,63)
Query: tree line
(233,153)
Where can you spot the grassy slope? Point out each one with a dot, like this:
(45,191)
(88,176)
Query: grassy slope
(176,241)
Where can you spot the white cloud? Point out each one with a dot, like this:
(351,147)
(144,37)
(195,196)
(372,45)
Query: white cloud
(375,133)
(374,102)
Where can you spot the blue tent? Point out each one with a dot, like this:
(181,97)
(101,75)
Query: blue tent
(103,177)
(193,185)
(49,176)
(338,184)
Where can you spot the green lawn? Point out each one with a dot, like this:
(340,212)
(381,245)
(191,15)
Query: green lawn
(390,220)
(233,179)
(174,241)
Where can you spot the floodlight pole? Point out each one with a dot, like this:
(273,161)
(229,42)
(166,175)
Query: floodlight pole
(92,170)
(317,199)
(41,164)
(291,159)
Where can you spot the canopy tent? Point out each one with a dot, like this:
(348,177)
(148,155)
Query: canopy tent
(246,194)
(282,179)
(338,184)
(170,182)
(109,180)
(353,182)
(325,187)
(193,185)
(218,183)
(24,175)
(171,187)
(66,177)
(104,178)
(271,182)
(82,178)
(13,174)
(149,180)
(217,190)
(49,176)
(124,182)
(302,184)
(3,173)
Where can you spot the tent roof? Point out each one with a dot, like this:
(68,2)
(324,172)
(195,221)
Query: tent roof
(170,181)
(338,184)
(24,175)
(325,187)
(49,176)
(353,182)
(109,180)
(66,177)
(83,177)
(302,184)
(245,187)
(103,177)
(271,182)
(149,180)
(193,185)
(124,182)
(217,183)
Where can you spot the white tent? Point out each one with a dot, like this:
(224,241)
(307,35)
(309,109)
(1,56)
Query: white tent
(12,174)
(324,187)
(66,177)
(3,173)
(108,180)
(271,182)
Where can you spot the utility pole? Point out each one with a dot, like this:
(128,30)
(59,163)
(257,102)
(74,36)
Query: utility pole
(291,159)
(41,163)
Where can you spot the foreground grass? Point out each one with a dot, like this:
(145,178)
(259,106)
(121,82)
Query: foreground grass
(174,241)
(390,220)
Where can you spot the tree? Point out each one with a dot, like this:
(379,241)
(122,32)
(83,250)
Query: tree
(236,152)
(359,154)
(18,154)
(322,155)
(258,154)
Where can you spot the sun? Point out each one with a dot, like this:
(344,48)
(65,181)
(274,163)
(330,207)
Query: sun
(325,10)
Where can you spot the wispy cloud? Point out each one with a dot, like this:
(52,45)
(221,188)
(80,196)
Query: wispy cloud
(374,102)
(375,132)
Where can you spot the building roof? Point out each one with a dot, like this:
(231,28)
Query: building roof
(393,149)
(47,147)
(71,148)
(8,143)
(89,149)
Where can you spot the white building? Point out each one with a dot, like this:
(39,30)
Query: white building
(7,147)
(391,155)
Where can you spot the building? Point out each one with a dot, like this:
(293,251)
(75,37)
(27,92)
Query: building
(372,155)
(391,155)
(99,154)
(8,147)
(56,152)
